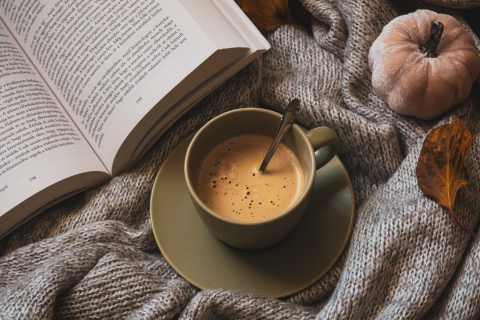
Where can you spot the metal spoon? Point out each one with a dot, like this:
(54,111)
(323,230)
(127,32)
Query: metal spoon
(286,122)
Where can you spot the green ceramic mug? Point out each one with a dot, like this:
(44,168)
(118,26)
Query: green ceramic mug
(263,233)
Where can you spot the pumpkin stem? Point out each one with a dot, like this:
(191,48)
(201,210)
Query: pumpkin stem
(429,48)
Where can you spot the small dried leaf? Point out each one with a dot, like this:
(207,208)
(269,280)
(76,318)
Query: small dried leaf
(267,14)
(440,168)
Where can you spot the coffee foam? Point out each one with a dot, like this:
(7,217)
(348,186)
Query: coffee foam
(229,182)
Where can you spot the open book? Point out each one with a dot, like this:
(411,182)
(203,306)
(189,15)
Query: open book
(87,86)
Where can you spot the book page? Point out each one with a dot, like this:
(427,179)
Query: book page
(244,28)
(109,62)
(39,144)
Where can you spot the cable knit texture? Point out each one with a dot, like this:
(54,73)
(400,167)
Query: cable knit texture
(94,255)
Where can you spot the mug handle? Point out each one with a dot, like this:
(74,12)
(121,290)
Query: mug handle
(325,139)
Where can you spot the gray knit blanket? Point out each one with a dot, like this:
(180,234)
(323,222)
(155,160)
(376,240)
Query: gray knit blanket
(94,255)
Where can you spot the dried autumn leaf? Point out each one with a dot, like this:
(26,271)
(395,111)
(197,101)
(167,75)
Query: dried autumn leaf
(440,168)
(267,14)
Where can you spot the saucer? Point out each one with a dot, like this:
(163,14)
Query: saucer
(291,265)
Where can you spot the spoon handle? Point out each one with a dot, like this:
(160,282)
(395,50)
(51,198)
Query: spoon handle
(286,122)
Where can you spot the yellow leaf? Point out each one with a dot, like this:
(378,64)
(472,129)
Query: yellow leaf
(440,168)
(267,14)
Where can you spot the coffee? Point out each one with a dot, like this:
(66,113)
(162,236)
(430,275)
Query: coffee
(229,182)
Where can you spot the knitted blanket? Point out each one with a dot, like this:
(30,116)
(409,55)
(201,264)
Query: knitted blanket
(95,256)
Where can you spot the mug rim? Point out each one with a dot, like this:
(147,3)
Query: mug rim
(292,207)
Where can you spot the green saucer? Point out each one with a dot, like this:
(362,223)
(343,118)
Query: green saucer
(293,264)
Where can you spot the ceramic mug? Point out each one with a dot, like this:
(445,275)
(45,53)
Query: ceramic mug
(263,233)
